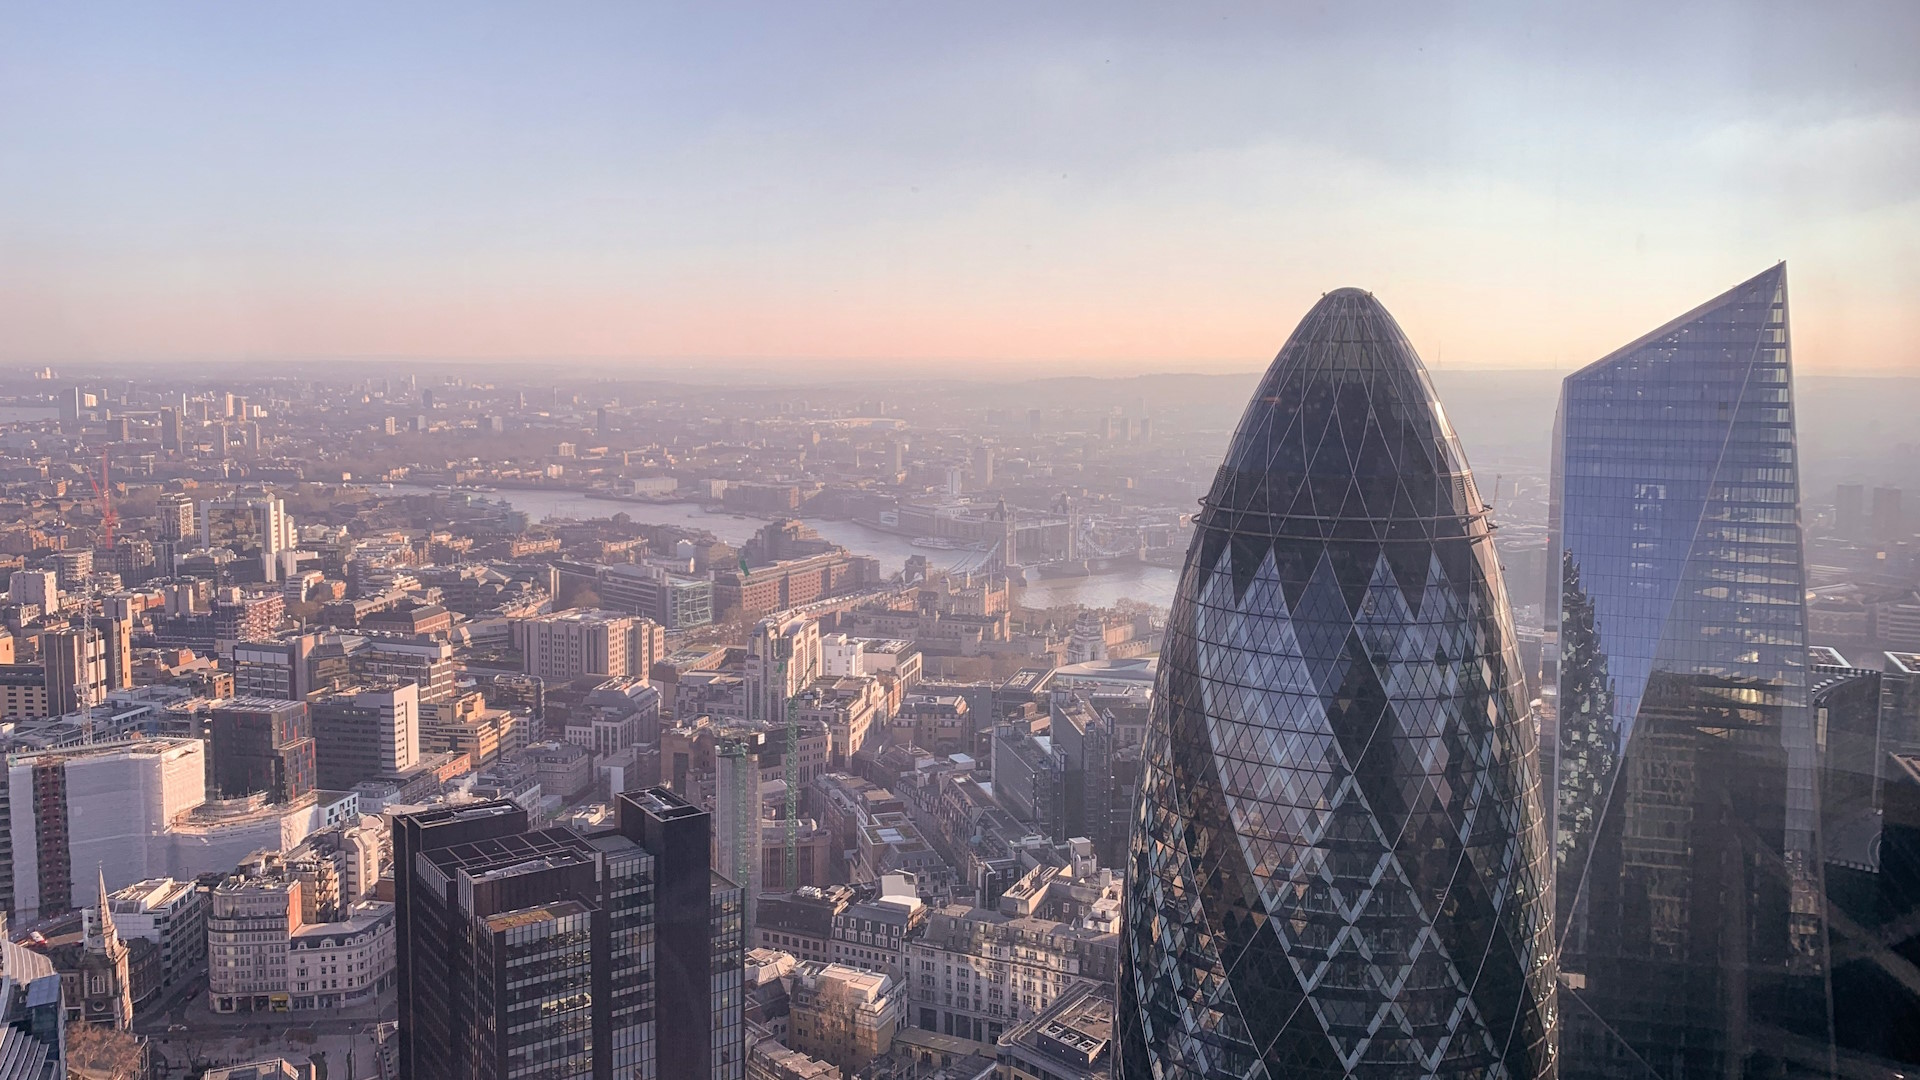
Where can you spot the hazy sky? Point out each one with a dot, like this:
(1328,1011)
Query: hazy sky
(1034,185)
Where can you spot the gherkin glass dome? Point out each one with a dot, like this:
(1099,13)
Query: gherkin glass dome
(1339,863)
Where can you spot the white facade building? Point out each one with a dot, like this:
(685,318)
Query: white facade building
(842,655)
(114,802)
(170,913)
(41,587)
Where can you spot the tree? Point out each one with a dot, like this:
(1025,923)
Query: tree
(1589,732)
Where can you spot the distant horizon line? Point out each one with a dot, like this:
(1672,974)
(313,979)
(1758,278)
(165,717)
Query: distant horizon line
(708,369)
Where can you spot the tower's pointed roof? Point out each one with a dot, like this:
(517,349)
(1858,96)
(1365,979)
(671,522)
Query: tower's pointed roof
(1757,291)
(108,933)
(1345,438)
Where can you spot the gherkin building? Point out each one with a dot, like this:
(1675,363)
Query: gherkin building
(1339,861)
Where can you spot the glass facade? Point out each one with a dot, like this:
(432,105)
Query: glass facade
(1687,839)
(729,941)
(1339,856)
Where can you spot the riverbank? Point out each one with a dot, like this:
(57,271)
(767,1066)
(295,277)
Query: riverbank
(1145,583)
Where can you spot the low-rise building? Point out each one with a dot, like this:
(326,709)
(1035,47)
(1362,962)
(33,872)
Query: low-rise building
(263,953)
(975,973)
(345,962)
(801,922)
(872,933)
(942,723)
(171,914)
(851,706)
(1072,1040)
(843,1016)
(565,769)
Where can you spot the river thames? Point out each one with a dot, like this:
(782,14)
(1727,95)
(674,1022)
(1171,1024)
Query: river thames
(1147,584)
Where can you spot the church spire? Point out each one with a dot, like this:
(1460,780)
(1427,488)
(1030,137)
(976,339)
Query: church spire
(108,933)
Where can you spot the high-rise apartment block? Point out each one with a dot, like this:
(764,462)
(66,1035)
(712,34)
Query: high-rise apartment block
(175,518)
(1889,523)
(615,953)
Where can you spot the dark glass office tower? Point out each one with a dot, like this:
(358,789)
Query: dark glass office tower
(553,953)
(1687,850)
(1338,863)
(262,745)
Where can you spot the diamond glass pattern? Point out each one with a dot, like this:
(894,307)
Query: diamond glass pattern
(1686,841)
(1339,854)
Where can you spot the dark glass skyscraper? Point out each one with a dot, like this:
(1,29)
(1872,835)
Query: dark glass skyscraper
(1687,841)
(610,955)
(1339,860)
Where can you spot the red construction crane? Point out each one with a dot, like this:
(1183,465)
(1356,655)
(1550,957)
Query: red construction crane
(103,490)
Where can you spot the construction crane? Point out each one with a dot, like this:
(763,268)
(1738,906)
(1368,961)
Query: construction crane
(793,771)
(103,490)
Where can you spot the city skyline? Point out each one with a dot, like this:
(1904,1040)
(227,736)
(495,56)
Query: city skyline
(1122,193)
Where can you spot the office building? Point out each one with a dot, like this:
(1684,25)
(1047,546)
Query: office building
(174,517)
(266,954)
(1339,857)
(262,745)
(851,706)
(341,660)
(1073,1040)
(249,523)
(974,973)
(103,807)
(23,692)
(571,644)
(1686,750)
(624,948)
(275,669)
(1086,801)
(841,1015)
(783,656)
(738,836)
(75,660)
(172,914)
(32,1014)
(365,732)
(1889,524)
(675,601)
(41,588)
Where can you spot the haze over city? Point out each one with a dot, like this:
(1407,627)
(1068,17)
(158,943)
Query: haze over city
(921,541)
(1091,188)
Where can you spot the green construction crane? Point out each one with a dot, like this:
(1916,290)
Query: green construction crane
(793,777)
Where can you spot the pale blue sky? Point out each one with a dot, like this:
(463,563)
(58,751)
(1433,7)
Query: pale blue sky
(1084,186)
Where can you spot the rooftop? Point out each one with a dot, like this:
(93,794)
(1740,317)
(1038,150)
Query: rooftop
(508,920)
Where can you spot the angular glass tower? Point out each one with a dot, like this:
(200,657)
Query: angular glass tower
(1339,857)
(1686,842)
